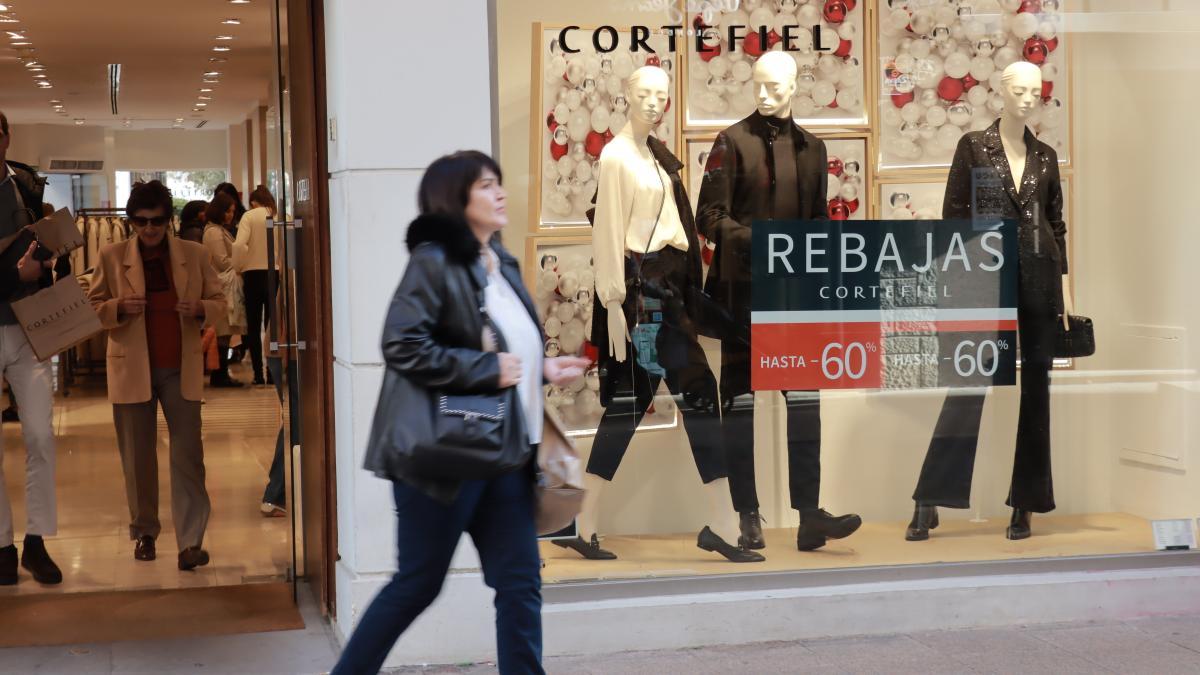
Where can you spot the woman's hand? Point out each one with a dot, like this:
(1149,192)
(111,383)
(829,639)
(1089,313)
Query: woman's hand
(561,370)
(510,369)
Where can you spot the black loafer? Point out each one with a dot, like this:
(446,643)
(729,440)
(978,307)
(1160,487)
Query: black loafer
(925,518)
(750,523)
(144,549)
(818,525)
(588,549)
(710,541)
(1020,527)
(8,565)
(192,557)
(36,560)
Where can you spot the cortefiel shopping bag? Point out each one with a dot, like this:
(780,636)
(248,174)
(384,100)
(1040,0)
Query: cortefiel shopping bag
(57,318)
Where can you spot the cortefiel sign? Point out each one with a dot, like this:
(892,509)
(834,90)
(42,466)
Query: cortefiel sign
(883,304)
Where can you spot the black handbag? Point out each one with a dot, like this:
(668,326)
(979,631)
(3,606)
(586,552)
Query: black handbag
(1077,342)
(447,435)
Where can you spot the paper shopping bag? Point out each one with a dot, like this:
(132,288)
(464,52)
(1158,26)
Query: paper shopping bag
(57,318)
(58,233)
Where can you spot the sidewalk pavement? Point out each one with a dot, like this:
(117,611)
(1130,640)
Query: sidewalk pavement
(1158,646)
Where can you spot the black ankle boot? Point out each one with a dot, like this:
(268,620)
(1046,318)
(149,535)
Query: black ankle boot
(8,565)
(818,525)
(750,524)
(925,518)
(1019,527)
(711,541)
(588,549)
(37,560)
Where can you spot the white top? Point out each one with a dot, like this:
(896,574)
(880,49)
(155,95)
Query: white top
(250,247)
(523,339)
(631,187)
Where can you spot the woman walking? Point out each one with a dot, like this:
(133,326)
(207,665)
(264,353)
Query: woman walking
(250,258)
(218,239)
(434,337)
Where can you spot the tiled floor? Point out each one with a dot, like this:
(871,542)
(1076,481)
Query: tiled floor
(93,547)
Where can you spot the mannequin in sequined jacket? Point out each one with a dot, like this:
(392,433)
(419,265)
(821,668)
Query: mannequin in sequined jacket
(1005,172)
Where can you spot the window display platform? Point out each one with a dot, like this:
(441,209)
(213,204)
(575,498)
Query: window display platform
(875,544)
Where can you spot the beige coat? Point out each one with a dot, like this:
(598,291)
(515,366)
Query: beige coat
(119,273)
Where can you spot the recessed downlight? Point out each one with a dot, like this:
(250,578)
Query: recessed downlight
(213,73)
(220,48)
(224,38)
(231,21)
(205,90)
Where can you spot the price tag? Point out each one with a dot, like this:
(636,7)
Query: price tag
(883,304)
(1174,534)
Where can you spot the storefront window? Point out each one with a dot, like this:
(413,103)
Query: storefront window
(949,178)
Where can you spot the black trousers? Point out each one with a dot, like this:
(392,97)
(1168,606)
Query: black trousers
(803,446)
(257,288)
(950,461)
(685,369)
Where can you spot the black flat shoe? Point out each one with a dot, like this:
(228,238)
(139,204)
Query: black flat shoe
(818,525)
(925,518)
(144,549)
(36,560)
(751,527)
(1019,527)
(8,565)
(710,541)
(193,557)
(588,549)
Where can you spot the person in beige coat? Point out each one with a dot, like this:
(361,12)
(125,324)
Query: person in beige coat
(218,239)
(153,294)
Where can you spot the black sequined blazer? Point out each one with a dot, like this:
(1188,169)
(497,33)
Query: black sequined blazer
(981,186)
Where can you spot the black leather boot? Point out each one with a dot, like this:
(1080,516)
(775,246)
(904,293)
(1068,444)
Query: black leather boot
(925,518)
(818,525)
(1019,527)
(588,549)
(8,565)
(711,541)
(751,526)
(37,560)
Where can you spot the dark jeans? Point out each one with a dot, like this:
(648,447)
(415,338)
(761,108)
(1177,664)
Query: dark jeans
(950,461)
(688,376)
(276,486)
(257,289)
(803,445)
(498,514)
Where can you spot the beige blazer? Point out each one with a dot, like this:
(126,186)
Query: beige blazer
(119,273)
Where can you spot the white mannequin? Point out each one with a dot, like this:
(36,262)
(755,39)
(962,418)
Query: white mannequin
(775,84)
(1021,87)
(614,234)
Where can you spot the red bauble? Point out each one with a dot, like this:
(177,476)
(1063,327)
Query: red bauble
(836,168)
(853,206)
(709,52)
(851,4)
(698,23)
(551,123)
(608,136)
(773,38)
(950,89)
(843,49)
(900,99)
(1052,43)
(558,151)
(1047,90)
(753,46)
(653,60)
(590,351)
(838,209)
(836,11)
(594,143)
(969,82)
(667,108)
(832,104)
(1036,51)
(1030,6)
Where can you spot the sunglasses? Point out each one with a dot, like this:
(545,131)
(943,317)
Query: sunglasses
(157,221)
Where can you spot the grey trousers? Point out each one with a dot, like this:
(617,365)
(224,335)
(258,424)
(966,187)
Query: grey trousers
(137,438)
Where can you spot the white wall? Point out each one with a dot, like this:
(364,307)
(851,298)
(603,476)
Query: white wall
(170,149)
(393,118)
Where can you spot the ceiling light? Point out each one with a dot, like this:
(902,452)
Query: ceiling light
(232,22)
(220,49)
(3,7)
(217,59)
(45,85)
(213,73)
(224,37)
(39,76)
(38,69)
(201,104)
(54,101)
(79,122)
(127,123)
(204,98)
(239,2)
(205,90)
(22,44)
(16,34)
(212,81)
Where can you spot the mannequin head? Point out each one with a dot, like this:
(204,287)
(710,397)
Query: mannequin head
(775,84)
(648,91)
(1021,87)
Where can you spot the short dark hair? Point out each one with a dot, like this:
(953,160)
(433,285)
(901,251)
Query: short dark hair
(3,123)
(193,214)
(217,208)
(148,197)
(446,186)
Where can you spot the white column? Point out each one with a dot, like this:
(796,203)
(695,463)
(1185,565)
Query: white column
(407,83)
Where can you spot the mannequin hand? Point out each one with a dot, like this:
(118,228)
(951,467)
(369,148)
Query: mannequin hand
(510,370)
(1068,303)
(561,370)
(618,332)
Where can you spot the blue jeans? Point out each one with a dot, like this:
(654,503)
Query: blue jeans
(276,487)
(498,514)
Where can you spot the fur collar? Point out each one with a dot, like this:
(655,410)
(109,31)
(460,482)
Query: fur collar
(454,236)
(669,161)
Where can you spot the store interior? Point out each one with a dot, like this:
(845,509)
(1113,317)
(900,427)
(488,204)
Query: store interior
(1124,449)
(99,96)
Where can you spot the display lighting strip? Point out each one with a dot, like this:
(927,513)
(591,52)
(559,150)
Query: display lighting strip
(213,76)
